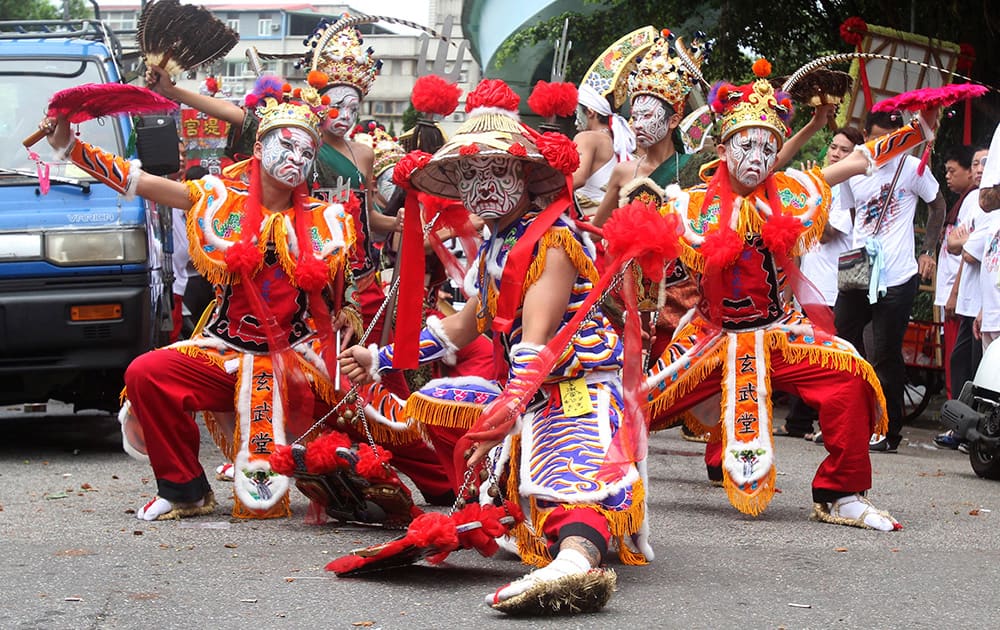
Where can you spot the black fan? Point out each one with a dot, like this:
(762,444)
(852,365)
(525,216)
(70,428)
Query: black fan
(177,37)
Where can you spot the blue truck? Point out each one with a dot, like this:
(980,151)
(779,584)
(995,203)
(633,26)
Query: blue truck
(83,277)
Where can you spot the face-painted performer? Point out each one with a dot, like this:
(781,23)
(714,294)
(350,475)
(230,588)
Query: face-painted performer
(605,138)
(740,234)
(528,281)
(261,362)
(342,70)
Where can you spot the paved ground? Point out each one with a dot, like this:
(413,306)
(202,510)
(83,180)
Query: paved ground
(74,556)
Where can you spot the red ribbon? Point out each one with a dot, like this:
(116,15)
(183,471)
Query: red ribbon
(411,288)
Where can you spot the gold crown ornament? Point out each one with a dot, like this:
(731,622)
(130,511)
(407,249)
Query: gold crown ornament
(276,105)
(387,150)
(755,104)
(339,58)
(670,69)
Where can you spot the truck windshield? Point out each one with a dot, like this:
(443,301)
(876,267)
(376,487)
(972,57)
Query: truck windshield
(26,85)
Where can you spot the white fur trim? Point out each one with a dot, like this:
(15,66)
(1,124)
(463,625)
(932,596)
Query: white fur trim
(278,484)
(125,416)
(132,183)
(436,328)
(373,369)
(335,216)
(216,201)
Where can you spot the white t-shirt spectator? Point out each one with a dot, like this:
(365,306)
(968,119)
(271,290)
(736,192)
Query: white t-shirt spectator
(969,300)
(991,173)
(867,195)
(947,265)
(984,245)
(819,264)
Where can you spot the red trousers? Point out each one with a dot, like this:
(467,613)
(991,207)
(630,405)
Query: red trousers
(844,402)
(370,298)
(165,387)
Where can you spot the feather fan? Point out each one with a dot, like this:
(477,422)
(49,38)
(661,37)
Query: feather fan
(177,37)
(93,100)
(923,98)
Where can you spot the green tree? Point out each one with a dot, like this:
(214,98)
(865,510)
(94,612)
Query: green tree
(789,33)
(410,117)
(42,10)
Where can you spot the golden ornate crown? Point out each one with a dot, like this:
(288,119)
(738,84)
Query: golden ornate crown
(387,151)
(669,70)
(756,104)
(338,58)
(276,113)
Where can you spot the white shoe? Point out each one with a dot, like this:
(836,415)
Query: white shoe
(225,472)
(159,509)
(855,510)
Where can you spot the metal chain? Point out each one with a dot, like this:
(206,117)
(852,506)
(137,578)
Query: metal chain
(364,337)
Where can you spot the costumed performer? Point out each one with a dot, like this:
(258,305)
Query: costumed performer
(275,256)
(530,279)
(741,231)
(343,72)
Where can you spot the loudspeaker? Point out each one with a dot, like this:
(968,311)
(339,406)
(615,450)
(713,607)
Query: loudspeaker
(156,142)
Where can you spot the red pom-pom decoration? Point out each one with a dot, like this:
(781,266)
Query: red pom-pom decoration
(492,93)
(721,248)
(780,232)
(322,456)
(468,149)
(433,529)
(762,68)
(404,167)
(317,79)
(371,464)
(853,30)
(658,242)
(559,151)
(517,150)
(282,461)
(243,258)
(433,95)
(549,100)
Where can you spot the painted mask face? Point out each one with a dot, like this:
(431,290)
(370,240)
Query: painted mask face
(581,118)
(287,155)
(751,154)
(490,187)
(347,102)
(650,120)
(384,185)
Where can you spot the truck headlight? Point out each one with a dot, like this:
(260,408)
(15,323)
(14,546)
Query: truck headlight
(96,247)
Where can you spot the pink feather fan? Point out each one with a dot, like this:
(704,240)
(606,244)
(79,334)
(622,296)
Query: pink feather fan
(93,100)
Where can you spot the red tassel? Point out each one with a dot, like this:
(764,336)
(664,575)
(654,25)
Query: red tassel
(409,306)
(659,242)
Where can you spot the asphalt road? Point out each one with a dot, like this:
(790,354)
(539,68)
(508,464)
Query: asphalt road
(74,556)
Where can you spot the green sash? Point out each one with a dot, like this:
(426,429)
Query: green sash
(333,164)
(667,172)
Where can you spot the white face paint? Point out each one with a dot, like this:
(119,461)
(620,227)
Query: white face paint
(581,118)
(287,155)
(347,101)
(750,155)
(490,187)
(650,120)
